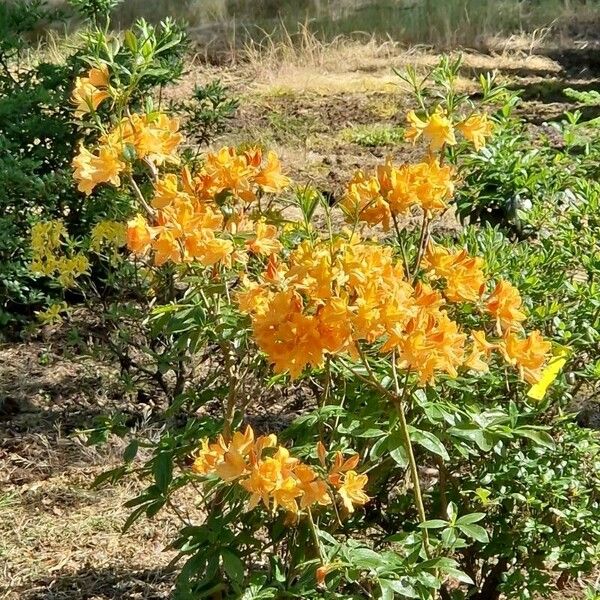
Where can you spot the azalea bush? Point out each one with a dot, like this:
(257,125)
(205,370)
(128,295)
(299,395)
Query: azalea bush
(40,125)
(431,457)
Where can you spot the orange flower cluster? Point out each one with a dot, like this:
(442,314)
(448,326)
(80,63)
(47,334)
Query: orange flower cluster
(392,191)
(328,296)
(464,281)
(438,131)
(463,274)
(153,137)
(189,217)
(90,91)
(271,476)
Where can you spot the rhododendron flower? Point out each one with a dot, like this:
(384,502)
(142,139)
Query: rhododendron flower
(463,274)
(433,343)
(394,190)
(108,232)
(436,129)
(528,354)
(270,177)
(352,491)
(476,129)
(265,240)
(363,201)
(505,305)
(90,91)
(138,235)
(278,480)
(480,352)
(289,337)
(92,169)
(166,248)
(166,192)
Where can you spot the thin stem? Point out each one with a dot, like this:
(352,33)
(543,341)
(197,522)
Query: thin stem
(414,470)
(423,243)
(315,534)
(149,210)
(401,244)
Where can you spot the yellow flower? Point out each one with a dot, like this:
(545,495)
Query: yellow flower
(351,490)
(91,169)
(90,91)
(108,232)
(437,129)
(476,129)
(52,314)
(70,268)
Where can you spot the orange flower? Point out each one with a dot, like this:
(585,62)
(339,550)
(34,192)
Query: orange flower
(528,354)
(270,178)
(505,305)
(433,186)
(363,201)
(340,466)
(437,129)
(352,491)
(462,273)
(233,465)
(156,138)
(394,190)
(432,344)
(204,247)
(481,348)
(166,191)
(288,337)
(265,241)
(138,235)
(335,325)
(91,170)
(166,248)
(476,129)
(314,490)
(90,91)
(207,458)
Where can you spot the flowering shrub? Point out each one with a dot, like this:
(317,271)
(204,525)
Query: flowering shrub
(404,475)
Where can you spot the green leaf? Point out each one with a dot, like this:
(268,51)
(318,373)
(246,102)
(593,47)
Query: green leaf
(434,524)
(163,471)
(131,451)
(475,532)
(429,441)
(470,518)
(396,449)
(542,438)
(233,566)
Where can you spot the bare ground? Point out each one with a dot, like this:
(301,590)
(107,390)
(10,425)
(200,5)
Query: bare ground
(59,537)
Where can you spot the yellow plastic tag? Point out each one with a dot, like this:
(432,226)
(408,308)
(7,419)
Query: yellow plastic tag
(550,373)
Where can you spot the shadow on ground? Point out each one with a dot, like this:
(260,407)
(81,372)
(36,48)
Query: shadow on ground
(101,584)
